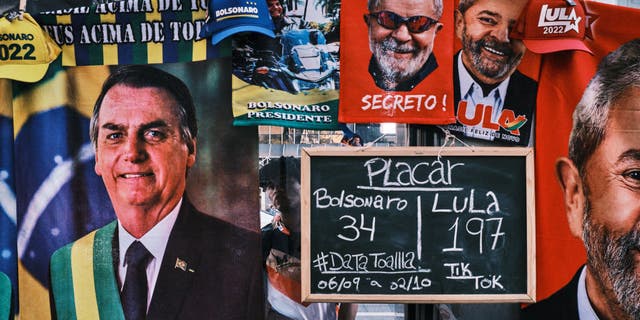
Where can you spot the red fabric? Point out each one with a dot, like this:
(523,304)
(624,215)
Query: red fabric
(551,26)
(356,84)
(563,78)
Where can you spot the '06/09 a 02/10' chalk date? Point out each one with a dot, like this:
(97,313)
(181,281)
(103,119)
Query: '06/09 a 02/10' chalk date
(406,283)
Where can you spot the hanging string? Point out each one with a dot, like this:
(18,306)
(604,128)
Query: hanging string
(370,144)
(450,141)
(264,161)
(21,8)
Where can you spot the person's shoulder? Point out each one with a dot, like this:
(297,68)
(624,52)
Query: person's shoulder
(522,80)
(62,252)
(290,21)
(206,220)
(563,304)
(548,308)
(217,227)
(522,92)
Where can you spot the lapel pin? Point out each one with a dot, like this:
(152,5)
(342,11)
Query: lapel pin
(181,264)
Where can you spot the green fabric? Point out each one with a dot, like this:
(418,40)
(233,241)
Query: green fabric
(5,296)
(273,120)
(138,50)
(104,277)
(93,52)
(185,48)
(62,283)
(83,36)
(107,292)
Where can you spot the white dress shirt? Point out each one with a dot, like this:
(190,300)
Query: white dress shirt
(471,91)
(585,310)
(155,240)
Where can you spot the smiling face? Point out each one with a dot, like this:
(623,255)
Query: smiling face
(140,153)
(612,219)
(487,51)
(275,9)
(400,54)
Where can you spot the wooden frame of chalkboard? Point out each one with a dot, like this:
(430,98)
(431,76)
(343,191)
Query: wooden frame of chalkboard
(418,224)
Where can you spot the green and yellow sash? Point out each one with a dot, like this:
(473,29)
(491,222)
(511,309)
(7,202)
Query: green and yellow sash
(83,280)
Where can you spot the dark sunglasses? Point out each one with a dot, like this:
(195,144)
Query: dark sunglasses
(415,24)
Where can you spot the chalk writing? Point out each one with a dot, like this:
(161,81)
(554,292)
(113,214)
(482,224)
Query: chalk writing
(346,200)
(386,173)
(417,225)
(355,230)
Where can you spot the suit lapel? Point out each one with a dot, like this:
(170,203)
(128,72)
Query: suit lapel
(521,98)
(517,98)
(179,265)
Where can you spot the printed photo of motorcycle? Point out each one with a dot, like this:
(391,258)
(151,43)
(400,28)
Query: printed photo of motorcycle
(303,56)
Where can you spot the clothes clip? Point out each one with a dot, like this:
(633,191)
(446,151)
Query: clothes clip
(14,14)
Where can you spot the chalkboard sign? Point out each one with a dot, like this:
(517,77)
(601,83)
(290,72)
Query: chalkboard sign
(418,224)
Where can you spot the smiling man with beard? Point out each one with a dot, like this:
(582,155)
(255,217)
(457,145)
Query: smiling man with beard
(401,38)
(485,72)
(601,187)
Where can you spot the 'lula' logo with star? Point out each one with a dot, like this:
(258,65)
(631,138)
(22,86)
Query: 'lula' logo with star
(564,17)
